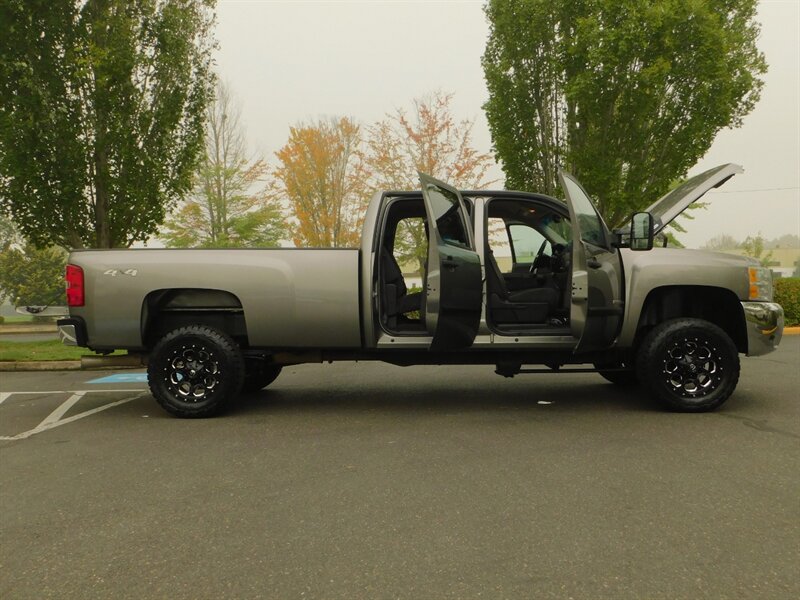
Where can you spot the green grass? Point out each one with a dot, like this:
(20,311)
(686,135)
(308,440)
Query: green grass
(47,350)
(17,319)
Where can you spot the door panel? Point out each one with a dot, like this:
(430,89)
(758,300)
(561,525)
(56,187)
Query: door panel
(597,288)
(453,294)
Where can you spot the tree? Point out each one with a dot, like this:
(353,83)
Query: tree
(722,241)
(754,247)
(322,174)
(431,140)
(225,210)
(626,94)
(28,275)
(787,240)
(101,114)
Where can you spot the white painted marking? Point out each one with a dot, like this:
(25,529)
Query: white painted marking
(44,425)
(544,402)
(4,395)
(62,409)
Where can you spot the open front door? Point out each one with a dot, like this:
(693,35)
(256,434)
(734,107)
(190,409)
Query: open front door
(597,297)
(453,293)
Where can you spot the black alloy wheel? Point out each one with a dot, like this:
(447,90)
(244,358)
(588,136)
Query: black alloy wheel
(690,364)
(195,371)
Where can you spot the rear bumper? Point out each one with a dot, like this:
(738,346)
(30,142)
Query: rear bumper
(72,331)
(764,322)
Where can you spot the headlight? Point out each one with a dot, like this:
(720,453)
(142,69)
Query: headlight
(760,284)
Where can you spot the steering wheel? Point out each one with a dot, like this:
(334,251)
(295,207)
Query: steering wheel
(538,256)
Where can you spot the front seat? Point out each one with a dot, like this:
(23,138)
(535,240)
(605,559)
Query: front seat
(532,305)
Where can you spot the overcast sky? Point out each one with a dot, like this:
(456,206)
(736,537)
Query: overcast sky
(293,61)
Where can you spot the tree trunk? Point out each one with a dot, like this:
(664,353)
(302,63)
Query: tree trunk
(101,199)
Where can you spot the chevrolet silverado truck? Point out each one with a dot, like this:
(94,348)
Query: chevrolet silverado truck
(571,295)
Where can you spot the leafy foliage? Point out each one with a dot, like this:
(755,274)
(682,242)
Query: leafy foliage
(754,246)
(225,210)
(626,94)
(101,114)
(322,174)
(722,241)
(427,139)
(31,276)
(28,275)
(787,294)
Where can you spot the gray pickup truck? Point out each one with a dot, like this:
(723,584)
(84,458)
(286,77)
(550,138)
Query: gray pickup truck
(571,296)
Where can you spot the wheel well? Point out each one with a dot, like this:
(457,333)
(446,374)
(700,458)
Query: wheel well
(713,304)
(166,309)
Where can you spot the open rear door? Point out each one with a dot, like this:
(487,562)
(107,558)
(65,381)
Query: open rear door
(453,289)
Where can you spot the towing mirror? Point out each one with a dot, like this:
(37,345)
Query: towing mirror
(641,231)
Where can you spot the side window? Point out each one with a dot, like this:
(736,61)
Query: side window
(448,217)
(557,229)
(499,243)
(591,227)
(526,242)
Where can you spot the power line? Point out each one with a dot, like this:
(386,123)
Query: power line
(757,190)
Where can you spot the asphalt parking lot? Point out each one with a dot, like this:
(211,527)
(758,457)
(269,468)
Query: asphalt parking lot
(374,481)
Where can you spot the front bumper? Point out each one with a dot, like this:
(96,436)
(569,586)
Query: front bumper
(72,331)
(764,322)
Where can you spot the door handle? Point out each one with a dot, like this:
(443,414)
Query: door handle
(449,263)
(593,262)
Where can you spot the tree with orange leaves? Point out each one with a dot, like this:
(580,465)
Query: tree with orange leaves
(322,174)
(431,140)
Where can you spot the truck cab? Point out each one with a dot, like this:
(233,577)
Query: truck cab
(561,285)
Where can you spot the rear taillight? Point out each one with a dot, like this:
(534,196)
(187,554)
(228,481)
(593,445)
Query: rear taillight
(74,277)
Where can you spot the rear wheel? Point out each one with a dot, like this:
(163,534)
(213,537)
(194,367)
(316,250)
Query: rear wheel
(195,371)
(691,365)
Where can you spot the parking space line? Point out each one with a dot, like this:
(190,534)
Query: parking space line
(62,409)
(50,422)
(4,395)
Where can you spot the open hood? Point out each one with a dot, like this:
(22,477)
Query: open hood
(669,206)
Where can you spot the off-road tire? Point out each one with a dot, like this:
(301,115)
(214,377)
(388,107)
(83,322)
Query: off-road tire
(258,378)
(195,371)
(690,365)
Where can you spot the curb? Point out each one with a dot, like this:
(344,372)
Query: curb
(41,365)
(12,329)
(791,331)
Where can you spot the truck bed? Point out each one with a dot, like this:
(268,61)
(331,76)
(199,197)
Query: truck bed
(290,297)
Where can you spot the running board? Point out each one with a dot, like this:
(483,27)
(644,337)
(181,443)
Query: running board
(510,372)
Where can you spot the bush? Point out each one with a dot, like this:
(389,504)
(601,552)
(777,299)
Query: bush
(787,294)
(2,319)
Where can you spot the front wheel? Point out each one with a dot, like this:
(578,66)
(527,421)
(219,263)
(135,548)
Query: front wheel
(195,371)
(691,365)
